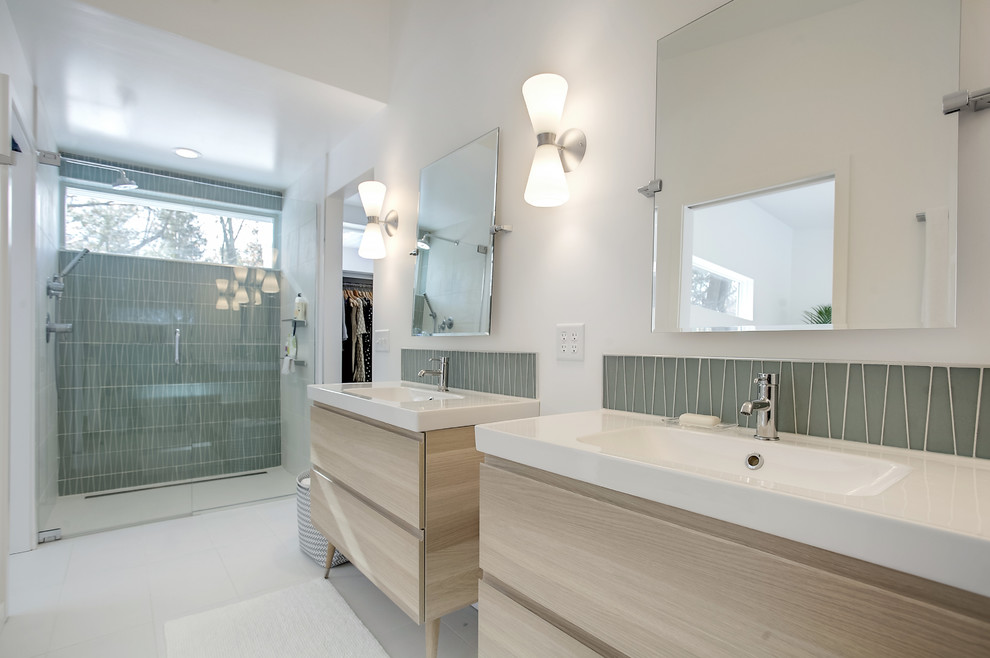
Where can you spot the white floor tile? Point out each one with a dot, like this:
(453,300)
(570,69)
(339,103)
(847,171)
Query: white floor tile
(410,642)
(168,540)
(137,642)
(45,565)
(267,565)
(100,603)
(188,584)
(105,551)
(276,482)
(30,620)
(242,526)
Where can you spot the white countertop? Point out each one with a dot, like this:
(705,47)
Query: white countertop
(470,408)
(933,523)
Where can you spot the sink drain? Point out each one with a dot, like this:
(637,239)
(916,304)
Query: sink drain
(754,461)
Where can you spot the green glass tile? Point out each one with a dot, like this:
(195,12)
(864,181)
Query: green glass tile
(982,448)
(875,383)
(679,399)
(704,404)
(785,398)
(818,422)
(717,369)
(854,422)
(649,383)
(965,387)
(692,375)
(835,383)
(802,395)
(745,389)
(940,429)
(628,383)
(894,420)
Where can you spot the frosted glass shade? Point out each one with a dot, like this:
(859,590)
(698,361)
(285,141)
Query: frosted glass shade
(544,95)
(222,285)
(241,296)
(270,284)
(223,304)
(372,242)
(372,195)
(547,186)
(240,273)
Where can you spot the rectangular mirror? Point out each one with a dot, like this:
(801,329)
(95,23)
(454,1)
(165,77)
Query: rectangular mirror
(455,247)
(799,143)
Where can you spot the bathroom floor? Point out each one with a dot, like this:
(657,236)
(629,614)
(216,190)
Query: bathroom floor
(109,594)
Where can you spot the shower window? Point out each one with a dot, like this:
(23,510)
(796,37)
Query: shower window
(113,223)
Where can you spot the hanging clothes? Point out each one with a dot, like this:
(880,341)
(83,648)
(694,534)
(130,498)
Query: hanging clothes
(356,333)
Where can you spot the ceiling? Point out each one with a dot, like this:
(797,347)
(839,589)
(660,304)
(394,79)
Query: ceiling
(124,90)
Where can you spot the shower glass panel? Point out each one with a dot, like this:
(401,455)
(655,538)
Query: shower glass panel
(170,396)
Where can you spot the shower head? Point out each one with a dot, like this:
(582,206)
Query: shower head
(72,263)
(124,183)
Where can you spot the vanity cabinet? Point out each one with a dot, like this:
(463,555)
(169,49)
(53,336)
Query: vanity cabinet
(587,570)
(402,506)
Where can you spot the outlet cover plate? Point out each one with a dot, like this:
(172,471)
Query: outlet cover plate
(382,340)
(570,341)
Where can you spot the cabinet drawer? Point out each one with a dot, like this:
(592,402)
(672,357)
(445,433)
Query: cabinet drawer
(505,628)
(639,583)
(389,555)
(383,466)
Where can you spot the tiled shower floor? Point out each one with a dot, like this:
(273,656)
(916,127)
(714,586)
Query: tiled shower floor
(78,515)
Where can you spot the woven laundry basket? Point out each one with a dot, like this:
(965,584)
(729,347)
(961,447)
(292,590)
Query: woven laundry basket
(311,541)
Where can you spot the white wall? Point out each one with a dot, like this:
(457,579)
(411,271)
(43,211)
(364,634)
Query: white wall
(457,71)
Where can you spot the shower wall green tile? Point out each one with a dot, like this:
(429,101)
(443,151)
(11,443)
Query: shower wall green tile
(917,406)
(504,373)
(128,415)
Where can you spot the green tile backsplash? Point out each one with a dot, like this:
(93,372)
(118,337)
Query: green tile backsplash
(504,373)
(922,407)
(127,414)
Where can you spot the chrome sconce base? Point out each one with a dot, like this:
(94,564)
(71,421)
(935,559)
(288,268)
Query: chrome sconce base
(571,146)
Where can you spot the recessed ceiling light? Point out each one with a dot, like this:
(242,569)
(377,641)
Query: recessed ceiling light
(183,152)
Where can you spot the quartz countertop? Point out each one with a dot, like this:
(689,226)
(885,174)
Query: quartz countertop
(933,523)
(457,408)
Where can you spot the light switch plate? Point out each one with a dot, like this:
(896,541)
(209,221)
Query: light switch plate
(381,340)
(570,342)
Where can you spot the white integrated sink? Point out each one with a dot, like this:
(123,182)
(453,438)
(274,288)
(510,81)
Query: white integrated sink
(918,512)
(764,463)
(401,394)
(421,408)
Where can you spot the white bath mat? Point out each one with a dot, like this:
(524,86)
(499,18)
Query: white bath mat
(309,620)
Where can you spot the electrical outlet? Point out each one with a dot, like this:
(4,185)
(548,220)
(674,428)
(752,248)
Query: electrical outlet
(570,342)
(381,340)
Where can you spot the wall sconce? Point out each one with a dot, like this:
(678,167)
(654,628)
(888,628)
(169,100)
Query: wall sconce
(372,195)
(544,95)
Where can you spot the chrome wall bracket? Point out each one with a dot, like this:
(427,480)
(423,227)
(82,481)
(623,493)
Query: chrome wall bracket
(650,189)
(963,99)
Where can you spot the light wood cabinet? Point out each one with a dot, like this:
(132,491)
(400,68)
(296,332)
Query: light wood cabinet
(625,576)
(403,507)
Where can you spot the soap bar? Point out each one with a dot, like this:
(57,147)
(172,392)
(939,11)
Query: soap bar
(699,419)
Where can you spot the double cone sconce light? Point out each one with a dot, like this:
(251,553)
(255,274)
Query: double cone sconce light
(372,195)
(544,95)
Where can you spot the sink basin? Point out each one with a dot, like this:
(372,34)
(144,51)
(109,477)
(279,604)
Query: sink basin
(401,394)
(764,463)
(421,408)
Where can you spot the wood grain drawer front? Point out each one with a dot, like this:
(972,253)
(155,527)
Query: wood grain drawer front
(506,629)
(648,587)
(383,466)
(389,555)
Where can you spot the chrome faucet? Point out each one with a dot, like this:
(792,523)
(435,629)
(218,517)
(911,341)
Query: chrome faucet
(765,406)
(441,372)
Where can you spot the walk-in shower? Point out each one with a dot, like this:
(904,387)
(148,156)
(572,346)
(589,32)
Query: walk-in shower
(168,307)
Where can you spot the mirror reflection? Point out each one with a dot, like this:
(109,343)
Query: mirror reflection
(761,95)
(455,246)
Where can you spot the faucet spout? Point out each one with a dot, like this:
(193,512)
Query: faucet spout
(440,373)
(765,406)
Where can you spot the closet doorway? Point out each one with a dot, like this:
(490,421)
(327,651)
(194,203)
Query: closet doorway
(358,307)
